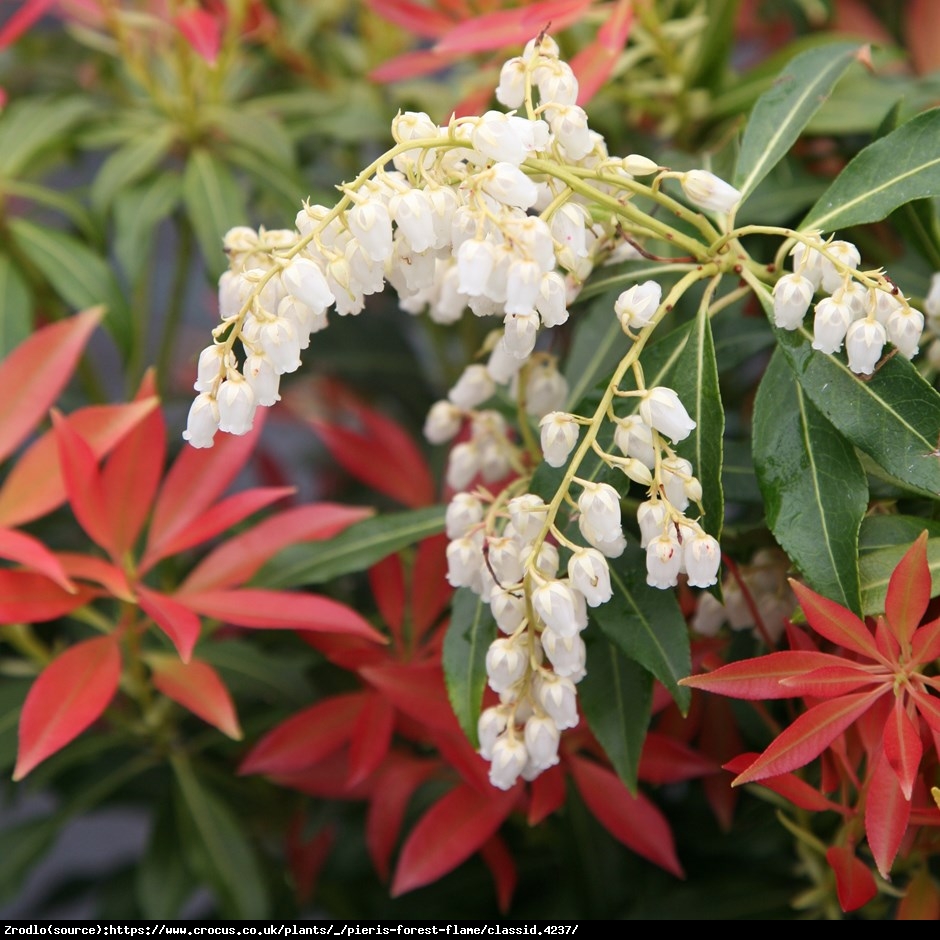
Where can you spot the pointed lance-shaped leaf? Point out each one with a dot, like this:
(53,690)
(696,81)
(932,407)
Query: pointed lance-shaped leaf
(70,694)
(789,786)
(418,690)
(371,738)
(830,681)
(30,552)
(176,620)
(28,597)
(925,646)
(387,584)
(666,760)
(593,64)
(197,687)
(836,623)
(902,746)
(887,814)
(502,867)
(414,18)
(908,592)
(855,884)
(547,794)
(430,592)
(99,571)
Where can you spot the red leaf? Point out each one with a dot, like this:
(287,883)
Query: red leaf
(235,561)
(371,738)
(21,20)
(546,794)
(925,647)
(416,689)
(307,858)
(202,31)
(70,694)
(430,592)
(196,479)
(903,748)
(26,596)
(886,815)
(197,687)
(921,27)
(502,866)
(449,833)
(280,610)
(35,484)
(665,760)
(395,784)
(99,571)
(178,622)
(922,899)
(326,780)
(387,583)
(760,678)
(855,884)
(415,18)
(790,787)
(34,374)
(835,623)
(908,592)
(831,681)
(808,736)
(929,708)
(594,63)
(307,737)
(410,65)
(633,820)
(24,549)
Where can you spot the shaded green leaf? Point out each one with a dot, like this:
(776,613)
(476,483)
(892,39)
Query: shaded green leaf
(616,696)
(53,199)
(16,307)
(248,670)
(30,126)
(815,491)
(162,881)
(738,479)
(24,844)
(875,570)
(782,111)
(255,130)
(137,212)
(12,695)
(285,184)
(898,168)
(469,634)
(130,163)
(891,531)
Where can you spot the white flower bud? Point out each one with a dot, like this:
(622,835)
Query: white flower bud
(708,191)
(546,389)
(305,280)
(676,474)
(661,409)
(464,512)
(203,421)
(701,555)
(541,741)
(443,422)
(637,165)
(559,434)
(236,405)
(527,514)
(589,573)
(509,758)
(508,185)
(830,324)
(475,260)
(904,328)
(663,561)
(473,388)
(263,378)
(569,124)
(848,258)
(556,83)
(552,301)
(491,724)
(511,89)
(793,294)
(506,663)
(651,518)
(599,505)
(558,606)
(807,261)
(864,342)
(566,654)
(559,699)
(634,438)
(508,608)
(464,561)
(463,463)
(213,361)
(636,306)
(414,216)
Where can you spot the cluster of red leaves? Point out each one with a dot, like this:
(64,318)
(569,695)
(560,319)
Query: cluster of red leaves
(113,500)
(872,714)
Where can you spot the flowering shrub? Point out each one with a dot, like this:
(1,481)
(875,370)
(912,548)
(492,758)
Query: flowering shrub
(660,392)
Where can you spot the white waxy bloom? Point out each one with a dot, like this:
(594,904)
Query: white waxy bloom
(637,165)
(213,361)
(559,434)
(556,83)
(464,561)
(236,405)
(856,296)
(240,240)
(589,573)
(709,615)
(233,292)
(506,663)
(541,741)
(546,389)
(464,512)
(566,653)
(504,559)
(278,339)
(599,505)
(569,225)
(546,562)
(932,300)
(557,604)
(676,474)
(475,260)
(793,294)
(527,514)
(552,301)
(463,464)
(443,422)
(830,325)
(559,699)
(414,216)
(502,364)
(610,545)
(497,137)
(807,261)
(847,259)
(701,555)
(305,320)
(636,306)
(864,342)
(904,328)
(491,724)
(304,279)
(636,470)
(523,280)
(569,124)
(508,608)
(663,561)
(661,409)
(203,421)
(885,304)
(708,191)
(634,438)
(413,125)
(511,89)
(509,759)
(651,518)
(473,387)
(263,378)
(507,184)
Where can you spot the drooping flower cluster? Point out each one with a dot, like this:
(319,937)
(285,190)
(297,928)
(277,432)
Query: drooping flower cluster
(862,310)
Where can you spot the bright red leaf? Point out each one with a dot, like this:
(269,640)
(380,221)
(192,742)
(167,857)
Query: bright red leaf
(371,738)
(177,621)
(202,31)
(908,592)
(197,687)
(903,748)
(502,866)
(887,814)
(28,597)
(855,884)
(24,549)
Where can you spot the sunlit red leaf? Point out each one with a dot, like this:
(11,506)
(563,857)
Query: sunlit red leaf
(502,866)
(197,687)
(921,28)
(929,708)
(240,556)
(593,64)
(908,591)
(430,591)
(202,31)
(279,610)
(416,689)
(789,786)
(633,820)
(35,484)
(903,748)
(836,623)
(449,833)
(855,884)
(30,552)
(665,760)
(34,374)
(808,736)
(178,622)
(886,815)
(99,571)
(410,65)
(546,794)
(307,737)
(371,738)
(925,647)
(22,19)
(418,19)
(70,694)
(387,583)
(28,597)
(886,641)
(830,681)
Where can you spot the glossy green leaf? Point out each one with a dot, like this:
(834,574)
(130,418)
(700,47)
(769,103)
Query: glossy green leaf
(892,531)
(137,212)
(815,491)
(30,126)
(468,637)
(616,695)
(356,549)
(875,570)
(16,304)
(782,111)
(130,163)
(738,479)
(220,849)
(897,168)
(214,204)
(894,417)
(78,275)
(646,623)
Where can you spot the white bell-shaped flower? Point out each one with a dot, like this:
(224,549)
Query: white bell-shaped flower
(661,409)
(793,294)
(464,511)
(905,327)
(264,379)
(541,741)
(830,325)
(559,434)
(651,518)
(569,124)
(807,261)
(203,421)
(303,279)
(708,191)
(508,608)
(213,361)
(599,505)
(847,259)
(511,89)
(559,698)
(507,184)
(473,387)
(864,342)
(491,724)
(676,474)
(567,654)
(637,305)
(371,224)
(556,83)
(701,555)
(464,561)
(509,758)
(634,438)
(523,281)
(443,422)
(463,464)
(546,389)
(558,606)
(527,514)
(502,364)
(506,663)
(414,216)
(475,260)
(589,573)
(663,561)
(236,405)
(552,301)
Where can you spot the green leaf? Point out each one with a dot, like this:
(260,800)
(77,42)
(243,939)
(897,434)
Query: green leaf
(616,696)
(715,43)
(646,623)
(782,112)
(285,185)
(221,851)
(895,169)
(16,307)
(137,212)
(892,531)
(130,163)
(163,882)
(214,205)
(251,671)
(894,417)
(815,491)
(77,274)
(53,199)
(30,126)
(468,637)
(24,844)
(255,130)
(357,548)
(737,473)
(12,695)
(875,570)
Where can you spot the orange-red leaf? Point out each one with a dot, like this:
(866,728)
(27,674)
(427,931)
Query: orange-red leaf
(34,374)
(416,689)
(903,748)
(925,647)
(410,65)
(666,760)
(22,19)
(886,815)
(855,884)
(547,794)
(28,597)
(502,867)
(789,786)
(98,570)
(371,738)
(449,833)
(908,592)
(70,694)
(430,591)
(387,584)
(830,681)
(836,623)
(196,686)
(202,31)
(416,18)
(28,551)
(593,64)
(177,621)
